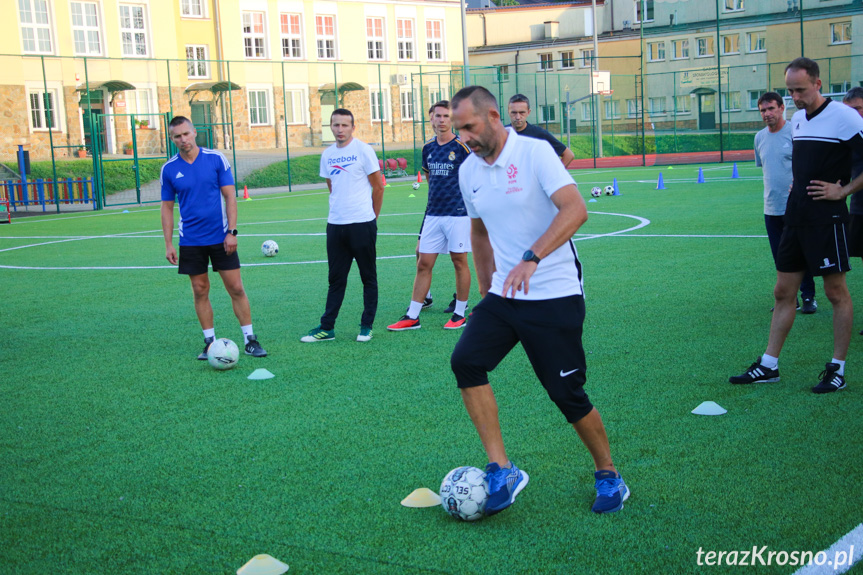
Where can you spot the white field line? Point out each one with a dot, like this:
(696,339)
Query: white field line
(851,545)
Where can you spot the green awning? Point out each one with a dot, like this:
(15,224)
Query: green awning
(328,92)
(110,85)
(703,91)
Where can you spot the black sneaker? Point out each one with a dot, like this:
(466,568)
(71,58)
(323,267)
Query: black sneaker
(207,341)
(427,303)
(451,307)
(756,373)
(254,349)
(809,305)
(830,380)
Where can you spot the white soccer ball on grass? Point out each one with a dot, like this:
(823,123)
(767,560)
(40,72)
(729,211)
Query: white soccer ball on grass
(464,493)
(609,190)
(596,192)
(416,185)
(269,248)
(223,354)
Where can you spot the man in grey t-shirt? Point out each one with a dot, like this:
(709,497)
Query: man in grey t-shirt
(773,153)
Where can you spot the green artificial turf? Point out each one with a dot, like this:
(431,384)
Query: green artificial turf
(122,454)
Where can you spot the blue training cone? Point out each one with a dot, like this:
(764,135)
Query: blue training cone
(734,173)
(700,176)
(616,189)
(659,184)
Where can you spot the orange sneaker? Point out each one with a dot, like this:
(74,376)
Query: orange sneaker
(405,323)
(456,322)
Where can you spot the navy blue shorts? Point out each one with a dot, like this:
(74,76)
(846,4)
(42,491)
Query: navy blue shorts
(550,333)
(195,259)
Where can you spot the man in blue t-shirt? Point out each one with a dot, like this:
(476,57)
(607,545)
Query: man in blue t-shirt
(446,227)
(201,181)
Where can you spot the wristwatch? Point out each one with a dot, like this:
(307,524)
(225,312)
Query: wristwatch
(233,232)
(529,256)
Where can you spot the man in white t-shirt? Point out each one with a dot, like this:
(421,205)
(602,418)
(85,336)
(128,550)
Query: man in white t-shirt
(524,209)
(353,176)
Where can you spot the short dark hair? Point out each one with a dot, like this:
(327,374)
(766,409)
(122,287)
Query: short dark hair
(520,98)
(439,104)
(177,120)
(481,98)
(771,97)
(810,66)
(342,112)
(853,94)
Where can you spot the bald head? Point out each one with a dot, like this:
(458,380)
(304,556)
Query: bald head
(483,101)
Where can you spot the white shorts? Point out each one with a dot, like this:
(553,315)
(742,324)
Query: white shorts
(445,234)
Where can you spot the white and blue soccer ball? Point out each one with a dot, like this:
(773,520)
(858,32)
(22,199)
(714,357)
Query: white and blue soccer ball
(596,192)
(223,354)
(609,190)
(416,185)
(269,248)
(464,493)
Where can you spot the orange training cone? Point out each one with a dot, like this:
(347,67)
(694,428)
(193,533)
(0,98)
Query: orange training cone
(419,178)
(246,193)
(385,180)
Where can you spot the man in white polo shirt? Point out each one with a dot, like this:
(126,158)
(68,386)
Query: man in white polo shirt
(524,209)
(353,176)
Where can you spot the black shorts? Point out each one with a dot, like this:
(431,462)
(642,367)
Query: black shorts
(855,235)
(194,259)
(821,249)
(550,333)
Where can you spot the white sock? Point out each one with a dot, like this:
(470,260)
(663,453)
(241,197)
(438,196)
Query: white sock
(247,331)
(841,365)
(210,333)
(428,295)
(414,309)
(460,307)
(769,361)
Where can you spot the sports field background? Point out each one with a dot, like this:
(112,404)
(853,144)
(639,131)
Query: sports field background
(122,454)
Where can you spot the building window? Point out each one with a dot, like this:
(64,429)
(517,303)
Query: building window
(585,112)
(656,106)
(731,101)
(503,73)
(567,60)
(680,48)
(405,37)
(42,106)
(733,5)
(295,109)
(731,44)
(192,8)
(546,113)
(586,58)
(704,46)
(753,98)
(142,105)
(85,28)
(612,109)
(407,101)
(434,39)
(633,108)
(375,38)
(757,41)
(35,26)
(546,62)
(196,62)
(378,105)
(644,10)
(840,88)
(683,104)
(259,108)
(782,92)
(292,38)
(325,29)
(655,51)
(254,40)
(133,30)
(840,33)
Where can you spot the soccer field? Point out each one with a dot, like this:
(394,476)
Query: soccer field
(123,454)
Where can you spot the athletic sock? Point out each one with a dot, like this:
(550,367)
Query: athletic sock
(841,365)
(247,331)
(210,333)
(428,295)
(769,361)
(460,307)
(414,309)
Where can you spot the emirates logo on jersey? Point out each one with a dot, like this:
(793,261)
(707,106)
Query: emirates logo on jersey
(511,173)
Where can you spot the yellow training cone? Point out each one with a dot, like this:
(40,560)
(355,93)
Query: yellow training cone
(422,497)
(263,565)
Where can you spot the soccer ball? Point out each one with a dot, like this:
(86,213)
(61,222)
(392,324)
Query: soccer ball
(416,185)
(223,354)
(464,493)
(269,248)
(609,190)
(596,192)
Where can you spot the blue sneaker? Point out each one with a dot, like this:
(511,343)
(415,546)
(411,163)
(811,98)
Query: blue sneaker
(503,485)
(611,492)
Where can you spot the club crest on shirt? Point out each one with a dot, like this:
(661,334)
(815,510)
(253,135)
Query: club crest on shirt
(451,156)
(511,173)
